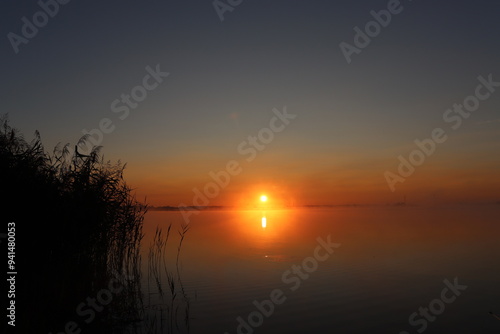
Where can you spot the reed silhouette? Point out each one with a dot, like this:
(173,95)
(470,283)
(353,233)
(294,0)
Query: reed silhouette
(168,307)
(78,226)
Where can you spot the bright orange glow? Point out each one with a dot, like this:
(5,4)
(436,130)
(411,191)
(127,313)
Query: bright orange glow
(263,198)
(264,222)
(307,183)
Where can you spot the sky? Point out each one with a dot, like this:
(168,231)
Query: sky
(212,83)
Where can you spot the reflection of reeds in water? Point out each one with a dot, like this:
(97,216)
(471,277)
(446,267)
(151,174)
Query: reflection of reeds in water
(168,305)
(79,227)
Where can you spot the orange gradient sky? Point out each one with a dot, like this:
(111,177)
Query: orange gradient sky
(461,170)
(225,79)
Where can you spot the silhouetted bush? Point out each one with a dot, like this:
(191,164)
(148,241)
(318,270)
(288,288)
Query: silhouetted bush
(77,225)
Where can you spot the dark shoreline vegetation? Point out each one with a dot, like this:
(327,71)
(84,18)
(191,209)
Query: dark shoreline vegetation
(79,231)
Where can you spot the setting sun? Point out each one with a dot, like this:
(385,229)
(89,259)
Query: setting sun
(263,198)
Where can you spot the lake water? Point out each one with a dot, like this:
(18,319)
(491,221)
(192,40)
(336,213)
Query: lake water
(387,264)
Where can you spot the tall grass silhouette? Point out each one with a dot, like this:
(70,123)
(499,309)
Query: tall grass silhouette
(168,306)
(78,227)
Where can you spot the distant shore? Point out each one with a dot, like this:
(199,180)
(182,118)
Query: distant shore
(222,207)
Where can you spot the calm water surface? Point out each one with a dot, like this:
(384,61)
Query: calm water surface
(391,262)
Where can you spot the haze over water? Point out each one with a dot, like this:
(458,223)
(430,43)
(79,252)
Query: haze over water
(356,143)
(391,261)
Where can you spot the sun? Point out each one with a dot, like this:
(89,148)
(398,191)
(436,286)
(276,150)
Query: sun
(263,198)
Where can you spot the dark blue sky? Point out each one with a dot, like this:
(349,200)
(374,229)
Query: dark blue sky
(226,77)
